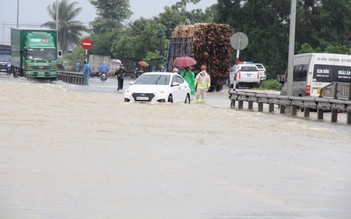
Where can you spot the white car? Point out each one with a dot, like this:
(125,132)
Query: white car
(244,75)
(158,87)
(262,70)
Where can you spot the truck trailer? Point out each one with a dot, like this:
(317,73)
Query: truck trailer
(34,53)
(208,44)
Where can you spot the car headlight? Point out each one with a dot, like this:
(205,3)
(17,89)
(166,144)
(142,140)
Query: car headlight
(8,65)
(128,91)
(160,92)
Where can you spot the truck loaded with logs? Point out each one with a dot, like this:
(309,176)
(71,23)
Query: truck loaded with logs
(208,44)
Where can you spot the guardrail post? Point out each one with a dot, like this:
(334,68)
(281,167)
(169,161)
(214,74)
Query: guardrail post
(260,107)
(271,107)
(306,112)
(282,109)
(232,104)
(294,111)
(320,114)
(334,115)
(241,104)
(250,105)
(348,118)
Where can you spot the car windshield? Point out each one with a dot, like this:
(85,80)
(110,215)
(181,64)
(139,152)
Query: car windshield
(153,79)
(248,68)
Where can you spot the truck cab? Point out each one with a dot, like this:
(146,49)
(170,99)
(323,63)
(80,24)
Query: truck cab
(5,58)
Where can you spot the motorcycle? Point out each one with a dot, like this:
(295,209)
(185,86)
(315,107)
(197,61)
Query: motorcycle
(103,76)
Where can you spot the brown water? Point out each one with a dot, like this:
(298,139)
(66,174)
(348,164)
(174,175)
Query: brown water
(68,154)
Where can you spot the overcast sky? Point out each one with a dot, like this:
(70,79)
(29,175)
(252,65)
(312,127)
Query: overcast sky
(34,12)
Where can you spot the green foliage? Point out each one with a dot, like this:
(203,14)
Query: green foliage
(111,14)
(78,55)
(140,37)
(102,43)
(321,26)
(271,85)
(69,30)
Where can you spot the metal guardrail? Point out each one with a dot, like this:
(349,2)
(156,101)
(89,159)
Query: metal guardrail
(337,90)
(321,105)
(71,77)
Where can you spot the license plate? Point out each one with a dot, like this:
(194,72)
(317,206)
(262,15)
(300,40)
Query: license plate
(249,75)
(142,98)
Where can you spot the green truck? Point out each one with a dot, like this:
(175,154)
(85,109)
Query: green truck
(34,53)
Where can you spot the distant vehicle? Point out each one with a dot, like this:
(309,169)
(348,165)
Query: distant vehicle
(95,61)
(114,66)
(158,87)
(5,58)
(34,52)
(244,75)
(262,70)
(314,71)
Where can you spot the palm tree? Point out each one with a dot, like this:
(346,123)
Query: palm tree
(69,31)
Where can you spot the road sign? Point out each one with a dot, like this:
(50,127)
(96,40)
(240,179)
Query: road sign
(87,43)
(239,41)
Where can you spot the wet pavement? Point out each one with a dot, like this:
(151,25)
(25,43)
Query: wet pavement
(69,151)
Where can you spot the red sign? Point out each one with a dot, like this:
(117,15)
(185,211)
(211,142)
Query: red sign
(44,40)
(87,43)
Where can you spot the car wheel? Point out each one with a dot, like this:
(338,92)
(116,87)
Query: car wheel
(170,99)
(187,99)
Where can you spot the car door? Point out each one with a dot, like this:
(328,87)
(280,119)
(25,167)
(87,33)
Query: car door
(183,87)
(177,89)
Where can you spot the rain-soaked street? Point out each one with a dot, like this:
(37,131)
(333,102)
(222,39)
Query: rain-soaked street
(69,151)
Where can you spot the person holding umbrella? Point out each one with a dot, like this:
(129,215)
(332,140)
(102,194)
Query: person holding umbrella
(189,77)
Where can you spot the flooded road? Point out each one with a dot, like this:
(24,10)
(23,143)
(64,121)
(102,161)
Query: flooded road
(70,151)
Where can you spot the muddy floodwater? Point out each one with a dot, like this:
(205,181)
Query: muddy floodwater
(67,151)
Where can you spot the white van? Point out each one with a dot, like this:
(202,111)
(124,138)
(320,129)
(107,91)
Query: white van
(313,71)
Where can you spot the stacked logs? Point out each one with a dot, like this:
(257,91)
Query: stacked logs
(211,47)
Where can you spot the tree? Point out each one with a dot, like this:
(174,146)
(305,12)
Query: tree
(69,30)
(139,38)
(111,14)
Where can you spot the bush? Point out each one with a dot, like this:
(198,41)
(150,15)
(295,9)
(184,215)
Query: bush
(271,85)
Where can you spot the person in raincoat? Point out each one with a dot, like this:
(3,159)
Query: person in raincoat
(86,72)
(189,77)
(203,82)
(103,69)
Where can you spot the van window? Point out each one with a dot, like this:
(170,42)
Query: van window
(300,72)
(343,73)
(323,73)
(330,73)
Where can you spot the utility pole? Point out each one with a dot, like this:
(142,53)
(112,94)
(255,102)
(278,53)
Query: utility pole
(291,48)
(57,24)
(17,11)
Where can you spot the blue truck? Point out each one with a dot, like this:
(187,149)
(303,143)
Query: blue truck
(5,58)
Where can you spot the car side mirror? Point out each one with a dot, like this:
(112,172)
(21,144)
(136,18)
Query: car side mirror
(175,84)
